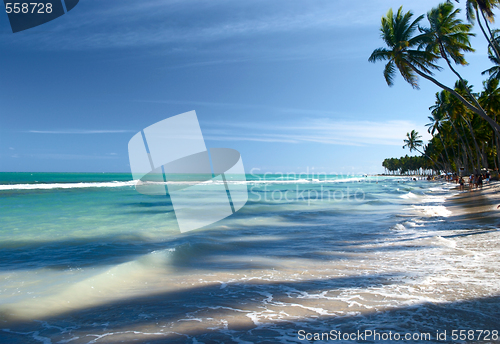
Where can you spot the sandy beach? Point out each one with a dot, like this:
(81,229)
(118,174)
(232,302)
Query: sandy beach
(477,205)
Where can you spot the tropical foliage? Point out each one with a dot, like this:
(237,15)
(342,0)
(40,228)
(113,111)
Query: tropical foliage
(464,124)
(407,165)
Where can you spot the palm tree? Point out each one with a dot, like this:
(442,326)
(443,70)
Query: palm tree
(436,126)
(490,100)
(403,53)
(485,8)
(413,141)
(494,72)
(468,117)
(446,38)
(447,109)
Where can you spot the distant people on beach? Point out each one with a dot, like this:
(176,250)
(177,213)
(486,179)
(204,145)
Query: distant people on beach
(475,180)
(462,184)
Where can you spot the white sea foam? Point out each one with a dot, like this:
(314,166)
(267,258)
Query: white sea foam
(117,184)
(399,227)
(50,186)
(409,195)
(415,223)
(445,242)
(434,199)
(432,210)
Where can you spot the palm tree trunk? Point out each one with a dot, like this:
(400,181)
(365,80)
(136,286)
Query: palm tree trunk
(459,137)
(444,148)
(466,159)
(488,38)
(497,139)
(484,155)
(478,150)
(444,162)
(468,146)
(469,106)
(456,158)
(428,157)
(493,147)
(481,112)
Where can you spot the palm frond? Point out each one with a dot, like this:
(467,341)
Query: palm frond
(389,73)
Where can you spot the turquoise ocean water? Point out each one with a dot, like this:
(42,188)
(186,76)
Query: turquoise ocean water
(85,258)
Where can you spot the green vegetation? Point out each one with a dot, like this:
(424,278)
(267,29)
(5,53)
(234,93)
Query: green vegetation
(415,165)
(464,124)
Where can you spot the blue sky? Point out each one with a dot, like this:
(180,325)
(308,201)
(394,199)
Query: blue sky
(286,83)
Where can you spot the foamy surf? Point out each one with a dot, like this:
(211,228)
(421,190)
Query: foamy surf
(117,184)
(433,210)
(43,186)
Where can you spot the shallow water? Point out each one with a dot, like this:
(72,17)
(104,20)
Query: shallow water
(84,258)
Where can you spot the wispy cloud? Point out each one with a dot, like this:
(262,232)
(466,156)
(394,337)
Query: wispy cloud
(274,109)
(316,125)
(126,23)
(78,132)
(326,131)
(60,156)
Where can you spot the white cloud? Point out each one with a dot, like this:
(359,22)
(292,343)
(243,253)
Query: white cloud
(78,131)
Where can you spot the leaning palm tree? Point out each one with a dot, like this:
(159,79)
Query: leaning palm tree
(448,37)
(413,55)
